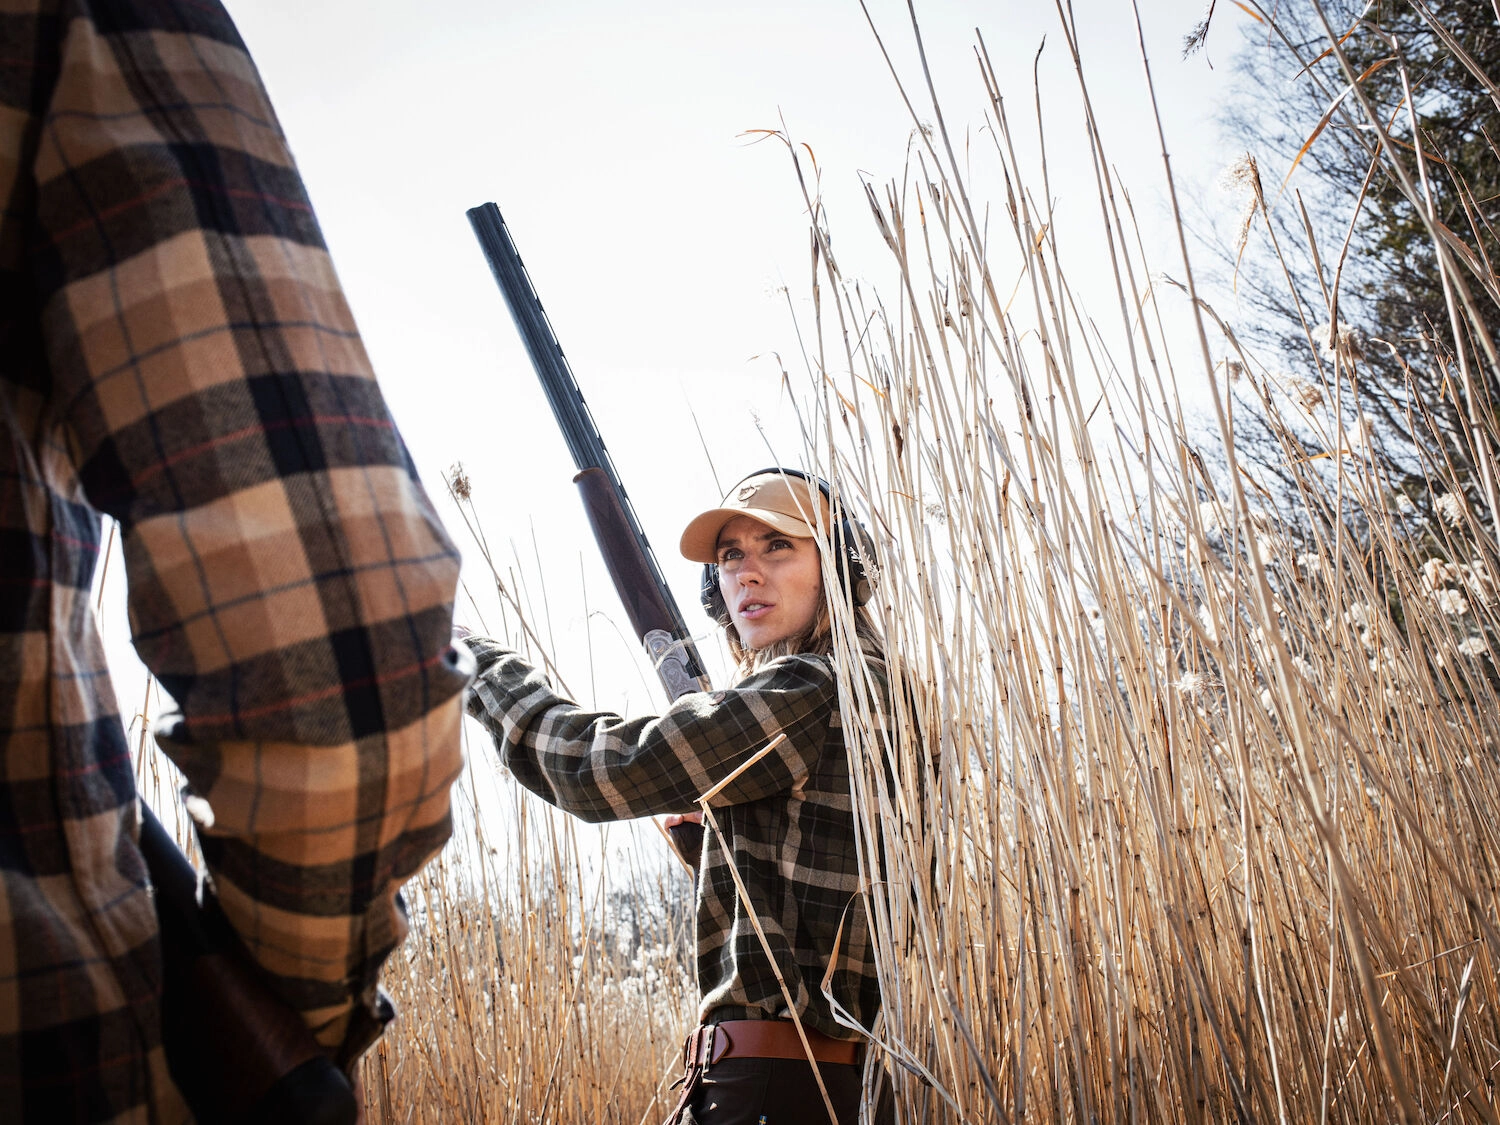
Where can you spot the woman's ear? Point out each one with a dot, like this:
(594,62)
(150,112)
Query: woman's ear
(710,597)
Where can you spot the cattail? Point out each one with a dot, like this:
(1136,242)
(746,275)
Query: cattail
(458,481)
(1452,602)
(1450,507)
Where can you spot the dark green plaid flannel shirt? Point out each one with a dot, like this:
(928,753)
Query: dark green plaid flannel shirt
(788,819)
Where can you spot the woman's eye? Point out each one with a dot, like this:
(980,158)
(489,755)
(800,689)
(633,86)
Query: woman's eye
(730,554)
(779,545)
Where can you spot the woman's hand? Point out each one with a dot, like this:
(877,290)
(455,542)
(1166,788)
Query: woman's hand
(674,819)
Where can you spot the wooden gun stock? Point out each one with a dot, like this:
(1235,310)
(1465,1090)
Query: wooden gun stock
(687,841)
(656,623)
(238,1052)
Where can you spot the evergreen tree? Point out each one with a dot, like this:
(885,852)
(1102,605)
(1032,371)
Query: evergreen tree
(1406,150)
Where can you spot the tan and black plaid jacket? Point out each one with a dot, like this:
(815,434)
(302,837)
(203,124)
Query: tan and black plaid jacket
(788,820)
(175,351)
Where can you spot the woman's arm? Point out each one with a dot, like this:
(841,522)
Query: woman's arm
(599,766)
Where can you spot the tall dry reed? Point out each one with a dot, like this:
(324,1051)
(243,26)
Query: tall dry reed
(1192,815)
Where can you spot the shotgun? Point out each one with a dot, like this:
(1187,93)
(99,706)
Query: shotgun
(627,554)
(238,1053)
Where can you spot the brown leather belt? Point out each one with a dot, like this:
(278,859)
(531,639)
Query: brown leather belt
(763,1039)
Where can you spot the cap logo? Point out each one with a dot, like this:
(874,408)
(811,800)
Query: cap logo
(748,491)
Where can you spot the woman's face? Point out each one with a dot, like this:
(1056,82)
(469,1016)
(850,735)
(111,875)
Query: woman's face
(772,583)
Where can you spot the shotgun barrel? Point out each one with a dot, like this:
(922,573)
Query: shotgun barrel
(627,553)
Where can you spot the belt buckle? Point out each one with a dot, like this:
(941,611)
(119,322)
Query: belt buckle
(697,1050)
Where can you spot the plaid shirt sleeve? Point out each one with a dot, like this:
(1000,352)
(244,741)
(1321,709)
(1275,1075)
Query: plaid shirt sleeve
(290,583)
(600,767)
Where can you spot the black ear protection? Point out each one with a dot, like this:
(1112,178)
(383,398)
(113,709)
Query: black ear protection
(852,545)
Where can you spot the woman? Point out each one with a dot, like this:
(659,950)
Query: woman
(787,819)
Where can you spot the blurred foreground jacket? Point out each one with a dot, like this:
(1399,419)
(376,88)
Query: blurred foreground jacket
(175,352)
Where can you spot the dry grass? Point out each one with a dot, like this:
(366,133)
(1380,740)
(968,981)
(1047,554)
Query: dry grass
(1194,816)
(531,989)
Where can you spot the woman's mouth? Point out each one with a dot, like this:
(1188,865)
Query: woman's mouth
(751,610)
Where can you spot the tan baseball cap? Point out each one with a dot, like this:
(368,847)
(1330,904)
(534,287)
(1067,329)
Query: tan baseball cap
(777,499)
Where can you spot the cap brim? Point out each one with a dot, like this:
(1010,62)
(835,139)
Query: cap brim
(700,541)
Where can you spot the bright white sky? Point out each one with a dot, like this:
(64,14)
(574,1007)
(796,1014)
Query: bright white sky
(658,237)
